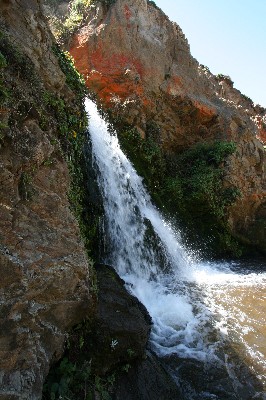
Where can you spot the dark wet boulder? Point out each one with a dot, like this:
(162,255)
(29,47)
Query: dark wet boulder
(147,380)
(121,333)
(122,324)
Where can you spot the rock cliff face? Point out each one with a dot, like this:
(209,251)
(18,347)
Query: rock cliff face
(139,64)
(44,285)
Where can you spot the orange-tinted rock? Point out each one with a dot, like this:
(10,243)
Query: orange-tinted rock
(139,64)
(116,78)
(205,113)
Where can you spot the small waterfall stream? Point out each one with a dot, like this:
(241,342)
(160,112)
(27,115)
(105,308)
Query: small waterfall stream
(198,309)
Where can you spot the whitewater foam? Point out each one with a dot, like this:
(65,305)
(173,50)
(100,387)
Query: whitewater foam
(192,304)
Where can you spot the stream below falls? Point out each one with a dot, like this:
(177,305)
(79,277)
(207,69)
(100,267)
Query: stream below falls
(208,318)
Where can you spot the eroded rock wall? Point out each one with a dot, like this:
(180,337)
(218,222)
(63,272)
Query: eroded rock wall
(139,64)
(45,274)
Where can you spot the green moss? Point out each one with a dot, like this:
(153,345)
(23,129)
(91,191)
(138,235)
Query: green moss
(73,78)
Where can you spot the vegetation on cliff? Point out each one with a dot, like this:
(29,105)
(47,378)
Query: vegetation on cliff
(67,119)
(65,25)
(60,115)
(73,128)
(43,177)
(189,187)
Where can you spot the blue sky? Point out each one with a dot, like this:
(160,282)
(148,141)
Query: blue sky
(228,36)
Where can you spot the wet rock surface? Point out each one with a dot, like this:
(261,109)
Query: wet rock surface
(147,380)
(229,378)
(121,326)
(121,331)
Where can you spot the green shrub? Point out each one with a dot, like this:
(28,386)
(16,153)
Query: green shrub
(195,190)
(73,78)
(248,99)
(200,174)
(67,380)
(63,29)
(188,185)
(152,3)
(226,78)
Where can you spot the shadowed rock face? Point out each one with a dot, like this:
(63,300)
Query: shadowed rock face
(121,326)
(147,380)
(44,284)
(138,63)
(117,343)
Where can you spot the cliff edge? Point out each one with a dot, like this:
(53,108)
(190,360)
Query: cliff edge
(139,65)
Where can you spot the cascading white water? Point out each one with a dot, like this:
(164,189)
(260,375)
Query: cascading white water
(186,299)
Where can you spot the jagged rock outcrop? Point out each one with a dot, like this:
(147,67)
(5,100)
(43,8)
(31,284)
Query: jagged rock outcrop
(139,64)
(45,275)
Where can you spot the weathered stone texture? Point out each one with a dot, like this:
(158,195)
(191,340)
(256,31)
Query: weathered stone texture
(31,33)
(139,64)
(44,271)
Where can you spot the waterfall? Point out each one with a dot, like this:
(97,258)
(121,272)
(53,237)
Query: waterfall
(185,297)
